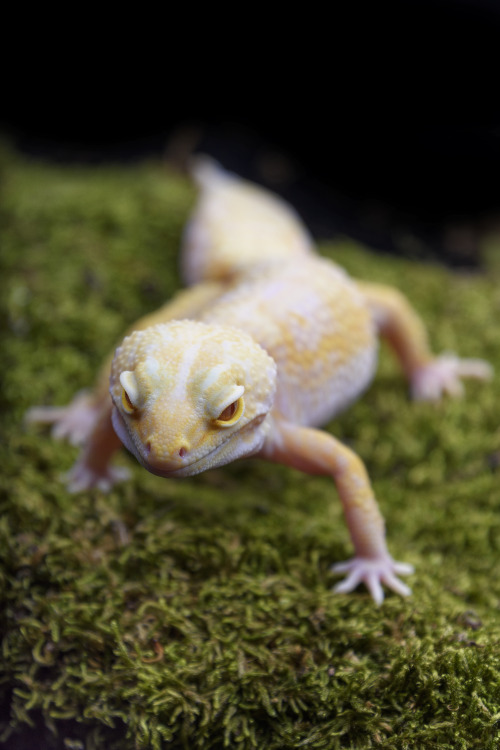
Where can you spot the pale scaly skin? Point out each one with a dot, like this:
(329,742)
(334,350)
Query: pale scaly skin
(278,347)
(237,226)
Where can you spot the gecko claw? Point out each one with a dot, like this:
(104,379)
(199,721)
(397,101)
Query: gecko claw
(73,422)
(443,375)
(82,478)
(373,572)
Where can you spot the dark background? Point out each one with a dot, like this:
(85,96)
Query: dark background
(379,121)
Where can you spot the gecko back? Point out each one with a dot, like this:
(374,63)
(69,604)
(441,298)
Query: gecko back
(320,334)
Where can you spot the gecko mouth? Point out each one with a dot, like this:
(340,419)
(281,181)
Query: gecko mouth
(220,455)
(162,468)
(187,469)
(183,468)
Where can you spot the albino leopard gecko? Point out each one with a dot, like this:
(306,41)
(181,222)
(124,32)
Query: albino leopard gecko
(252,366)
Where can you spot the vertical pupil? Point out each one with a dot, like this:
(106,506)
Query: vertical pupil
(127,399)
(228,412)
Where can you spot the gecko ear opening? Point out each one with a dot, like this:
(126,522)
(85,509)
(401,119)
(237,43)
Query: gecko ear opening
(130,392)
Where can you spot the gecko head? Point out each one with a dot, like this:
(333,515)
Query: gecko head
(188,396)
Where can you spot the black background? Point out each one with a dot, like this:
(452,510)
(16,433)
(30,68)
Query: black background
(377,120)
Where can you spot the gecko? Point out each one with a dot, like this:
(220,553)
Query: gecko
(252,360)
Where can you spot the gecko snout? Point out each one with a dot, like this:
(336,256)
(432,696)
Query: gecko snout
(160,458)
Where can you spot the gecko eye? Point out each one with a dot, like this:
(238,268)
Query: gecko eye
(127,403)
(231,414)
(130,391)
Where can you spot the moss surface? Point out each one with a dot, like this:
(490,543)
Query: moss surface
(198,613)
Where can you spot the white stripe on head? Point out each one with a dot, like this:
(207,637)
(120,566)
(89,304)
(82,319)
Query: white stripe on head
(184,371)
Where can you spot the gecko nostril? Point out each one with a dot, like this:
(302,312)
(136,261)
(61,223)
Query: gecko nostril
(148,447)
(182,452)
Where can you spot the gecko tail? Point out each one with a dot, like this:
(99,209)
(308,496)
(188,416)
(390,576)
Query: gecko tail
(207,172)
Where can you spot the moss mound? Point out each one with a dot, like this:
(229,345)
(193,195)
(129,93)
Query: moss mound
(198,613)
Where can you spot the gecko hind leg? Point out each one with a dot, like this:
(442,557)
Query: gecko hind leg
(429,376)
(443,375)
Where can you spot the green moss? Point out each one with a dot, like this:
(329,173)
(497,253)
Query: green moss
(198,613)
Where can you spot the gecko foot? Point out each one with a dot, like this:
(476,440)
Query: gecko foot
(73,422)
(443,375)
(373,572)
(83,477)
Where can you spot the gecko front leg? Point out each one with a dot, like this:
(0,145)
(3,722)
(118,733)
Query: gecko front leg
(317,452)
(86,421)
(93,468)
(73,422)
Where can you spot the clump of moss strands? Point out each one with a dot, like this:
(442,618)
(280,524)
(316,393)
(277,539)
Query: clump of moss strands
(198,613)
